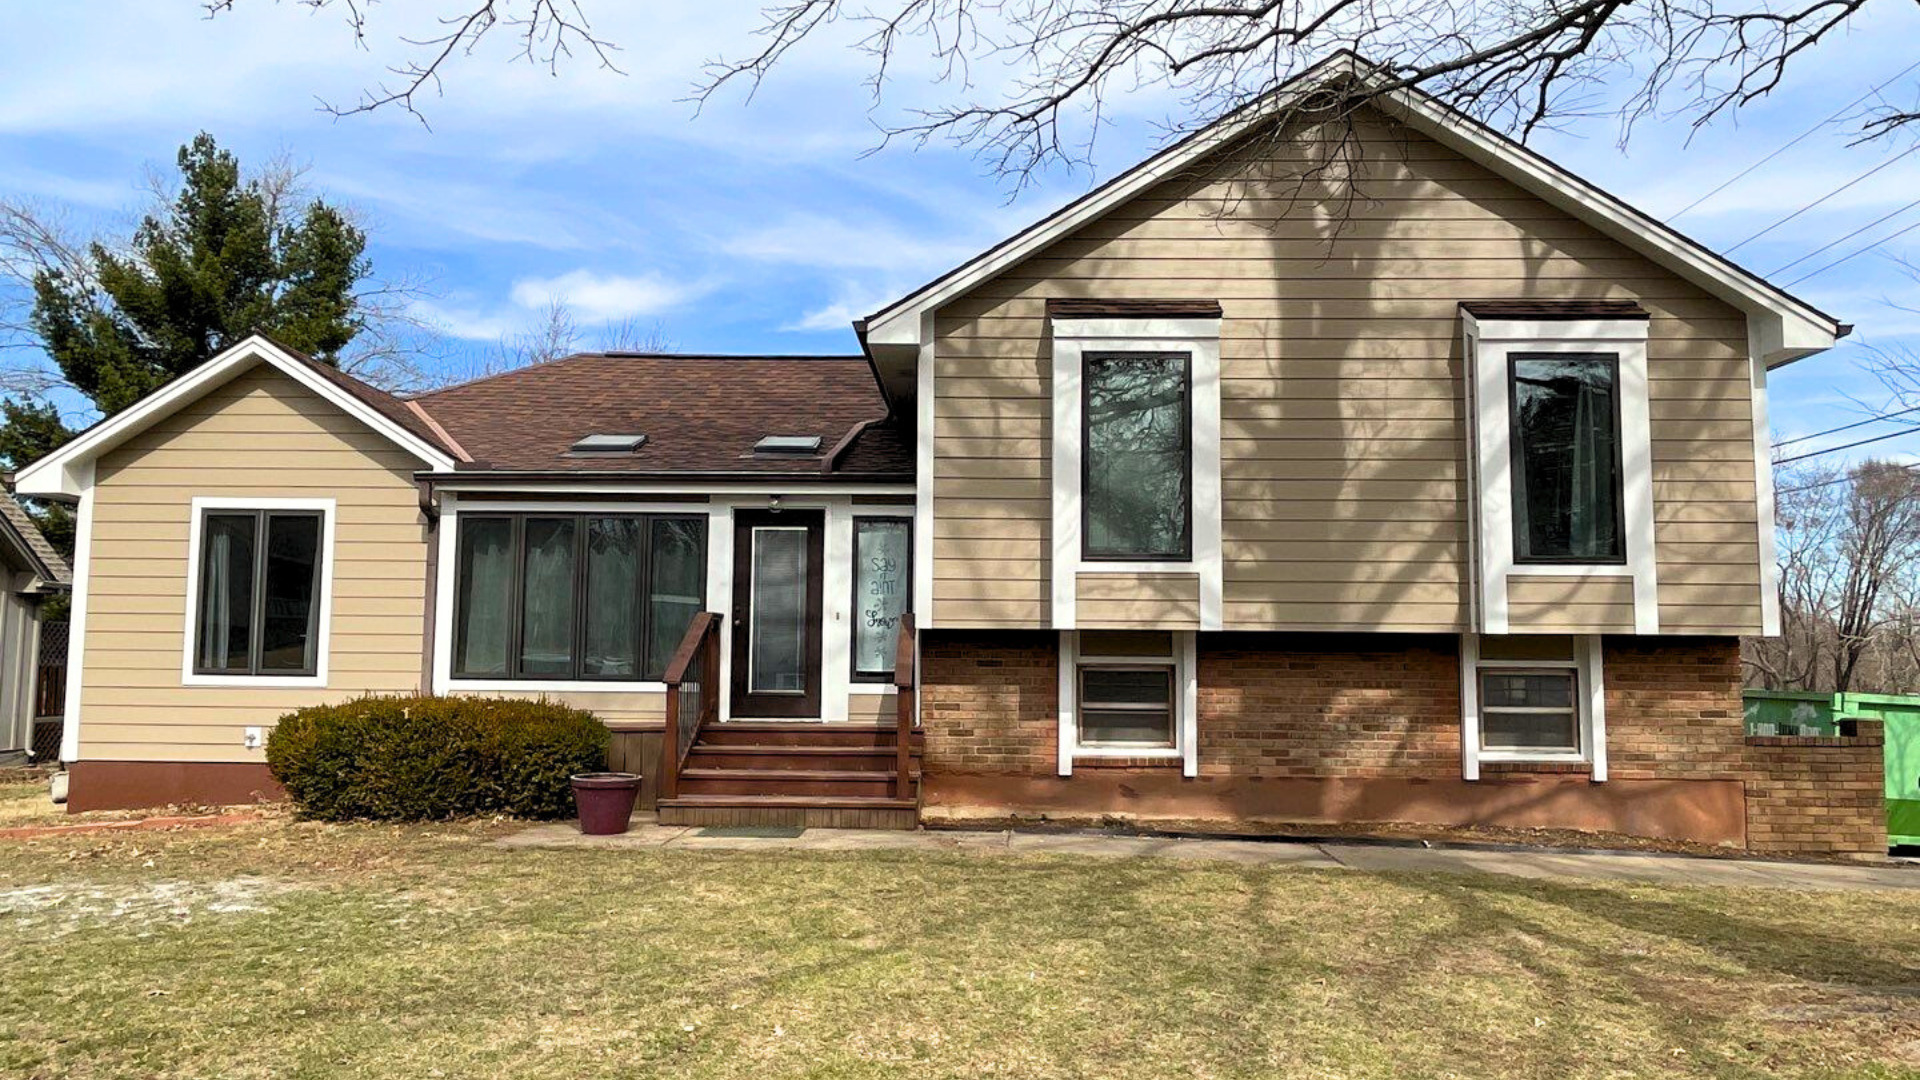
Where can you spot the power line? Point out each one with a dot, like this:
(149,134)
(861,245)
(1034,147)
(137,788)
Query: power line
(1829,483)
(1858,251)
(1847,446)
(1846,427)
(1741,175)
(1844,239)
(1901,156)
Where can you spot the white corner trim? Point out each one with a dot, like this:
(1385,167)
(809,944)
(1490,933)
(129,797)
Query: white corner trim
(198,508)
(1188,644)
(56,475)
(1593,681)
(1069,727)
(1470,706)
(923,467)
(82,472)
(1490,343)
(1072,340)
(1763,487)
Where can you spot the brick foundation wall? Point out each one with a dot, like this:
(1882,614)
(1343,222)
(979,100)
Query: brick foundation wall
(1356,716)
(1329,705)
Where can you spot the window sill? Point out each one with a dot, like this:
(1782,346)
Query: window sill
(1126,761)
(1538,768)
(874,688)
(556,686)
(261,682)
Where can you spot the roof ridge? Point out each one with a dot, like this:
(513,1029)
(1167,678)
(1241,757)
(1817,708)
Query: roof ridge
(618,354)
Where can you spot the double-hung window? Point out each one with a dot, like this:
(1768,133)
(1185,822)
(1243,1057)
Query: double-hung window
(1125,689)
(1137,461)
(258,582)
(1567,505)
(575,596)
(1531,698)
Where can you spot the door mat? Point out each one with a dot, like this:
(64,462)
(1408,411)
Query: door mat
(770,832)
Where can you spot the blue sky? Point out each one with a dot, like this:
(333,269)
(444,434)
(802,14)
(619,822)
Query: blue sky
(765,227)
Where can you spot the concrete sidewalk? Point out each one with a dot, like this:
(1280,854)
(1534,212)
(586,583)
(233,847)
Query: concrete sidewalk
(1516,862)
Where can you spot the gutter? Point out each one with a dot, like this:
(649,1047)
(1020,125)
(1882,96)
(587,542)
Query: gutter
(508,478)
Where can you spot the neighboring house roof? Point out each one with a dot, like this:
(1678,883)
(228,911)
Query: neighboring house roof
(19,531)
(63,473)
(700,415)
(1787,327)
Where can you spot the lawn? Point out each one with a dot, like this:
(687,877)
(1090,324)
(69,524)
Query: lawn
(292,950)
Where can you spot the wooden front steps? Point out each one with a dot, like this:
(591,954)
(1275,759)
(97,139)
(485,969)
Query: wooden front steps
(795,774)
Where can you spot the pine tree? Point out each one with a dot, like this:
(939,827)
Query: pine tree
(222,261)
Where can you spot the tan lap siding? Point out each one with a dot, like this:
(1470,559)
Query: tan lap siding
(1137,601)
(261,435)
(1343,409)
(642,710)
(1561,604)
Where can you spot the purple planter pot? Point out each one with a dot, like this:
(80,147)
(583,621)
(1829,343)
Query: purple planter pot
(605,800)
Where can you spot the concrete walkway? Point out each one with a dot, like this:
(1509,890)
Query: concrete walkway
(1516,862)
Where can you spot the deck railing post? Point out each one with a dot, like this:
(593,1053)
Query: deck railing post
(701,643)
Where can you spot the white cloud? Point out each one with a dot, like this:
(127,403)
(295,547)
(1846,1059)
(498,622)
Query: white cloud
(815,240)
(849,303)
(605,298)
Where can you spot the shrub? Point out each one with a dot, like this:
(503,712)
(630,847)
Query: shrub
(428,758)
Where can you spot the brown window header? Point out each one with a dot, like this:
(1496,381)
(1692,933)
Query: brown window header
(1133,309)
(1553,309)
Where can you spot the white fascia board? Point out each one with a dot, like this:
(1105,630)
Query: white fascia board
(802,486)
(58,475)
(1794,329)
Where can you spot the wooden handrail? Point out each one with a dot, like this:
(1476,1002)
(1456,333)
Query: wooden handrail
(904,708)
(701,644)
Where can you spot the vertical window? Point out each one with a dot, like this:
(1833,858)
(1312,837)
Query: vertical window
(258,608)
(574,597)
(1126,684)
(1566,459)
(1136,459)
(882,592)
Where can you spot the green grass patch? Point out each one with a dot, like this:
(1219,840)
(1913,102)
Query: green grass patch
(306,950)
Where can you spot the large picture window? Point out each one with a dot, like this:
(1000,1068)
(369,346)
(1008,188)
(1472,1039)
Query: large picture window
(882,592)
(1566,458)
(258,584)
(575,596)
(1137,460)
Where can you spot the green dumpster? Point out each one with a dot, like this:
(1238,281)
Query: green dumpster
(1901,715)
(1790,712)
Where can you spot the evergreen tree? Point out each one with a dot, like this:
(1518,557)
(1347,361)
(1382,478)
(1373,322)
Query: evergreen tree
(224,260)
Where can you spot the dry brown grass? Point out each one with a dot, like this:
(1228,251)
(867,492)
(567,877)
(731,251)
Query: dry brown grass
(291,950)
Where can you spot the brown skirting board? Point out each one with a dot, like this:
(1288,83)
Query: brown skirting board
(1702,811)
(138,785)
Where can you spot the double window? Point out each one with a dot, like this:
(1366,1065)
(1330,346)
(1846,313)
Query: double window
(1137,457)
(575,596)
(882,592)
(1566,458)
(258,584)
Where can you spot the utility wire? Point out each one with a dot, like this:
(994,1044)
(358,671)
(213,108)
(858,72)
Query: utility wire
(1846,427)
(1829,483)
(1858,251)
(1844,239)
(1847,446)
(1901,156)
(1741,175)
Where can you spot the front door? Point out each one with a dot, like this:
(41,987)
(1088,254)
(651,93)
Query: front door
(777,570)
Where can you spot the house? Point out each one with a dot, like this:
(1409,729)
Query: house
(30,571)
(1342,466)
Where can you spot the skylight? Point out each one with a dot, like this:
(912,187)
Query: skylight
(788,444)
(609,444)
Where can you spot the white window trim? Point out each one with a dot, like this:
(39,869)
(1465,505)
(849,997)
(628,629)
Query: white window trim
(840,538)
(1589,700)
(199,508)
(1489,343)
(1186,682)
(1072,340)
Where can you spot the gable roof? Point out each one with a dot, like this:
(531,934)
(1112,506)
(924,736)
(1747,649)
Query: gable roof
(701,415)
(18,529)
(1787,327)
(63,473)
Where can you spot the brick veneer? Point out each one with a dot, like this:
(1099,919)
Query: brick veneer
(1360,711)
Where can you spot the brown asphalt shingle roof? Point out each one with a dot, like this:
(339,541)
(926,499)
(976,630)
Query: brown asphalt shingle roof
(1554,309)
(14,520)
(700,414)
